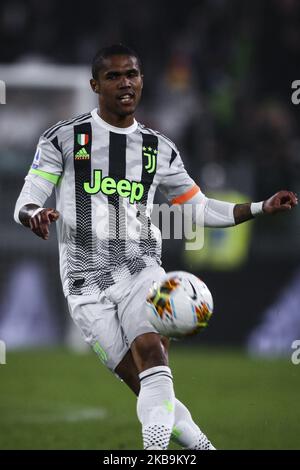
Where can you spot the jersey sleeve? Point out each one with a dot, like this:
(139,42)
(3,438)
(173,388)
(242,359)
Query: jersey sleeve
(176,184)
(47,162)
(43,175)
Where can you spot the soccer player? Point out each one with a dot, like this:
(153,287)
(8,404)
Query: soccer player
(106,167)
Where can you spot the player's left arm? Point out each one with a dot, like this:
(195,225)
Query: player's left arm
(282,201)
(220,214)
(180,189)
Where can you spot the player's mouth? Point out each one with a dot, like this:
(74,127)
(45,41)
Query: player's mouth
(126,98)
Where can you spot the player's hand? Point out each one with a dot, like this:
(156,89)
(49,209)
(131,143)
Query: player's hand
(280,202)
(40,223)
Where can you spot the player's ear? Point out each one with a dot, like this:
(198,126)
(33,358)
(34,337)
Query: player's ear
(142,80)
(95,85)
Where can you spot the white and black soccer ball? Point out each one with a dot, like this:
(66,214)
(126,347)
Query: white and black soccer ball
(179,305)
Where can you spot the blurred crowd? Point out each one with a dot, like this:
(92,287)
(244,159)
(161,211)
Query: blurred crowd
(218,77)
(218,73)
(222,69)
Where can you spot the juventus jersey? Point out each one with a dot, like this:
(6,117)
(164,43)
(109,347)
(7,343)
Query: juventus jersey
(105,179)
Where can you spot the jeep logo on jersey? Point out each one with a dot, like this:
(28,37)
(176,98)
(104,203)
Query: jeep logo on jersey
(108,186)
(151,155)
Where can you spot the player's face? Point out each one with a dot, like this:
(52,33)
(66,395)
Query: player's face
(119,85)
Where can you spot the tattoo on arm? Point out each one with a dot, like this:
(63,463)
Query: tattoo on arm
(242,213)
(26,212)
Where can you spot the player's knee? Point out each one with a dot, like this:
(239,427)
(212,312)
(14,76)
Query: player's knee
(148,351)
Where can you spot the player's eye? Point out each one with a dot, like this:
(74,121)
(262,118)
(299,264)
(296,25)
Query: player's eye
(133,73)
(112,76)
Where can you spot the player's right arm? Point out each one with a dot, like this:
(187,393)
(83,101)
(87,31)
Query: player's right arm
(38,219)
(43,175)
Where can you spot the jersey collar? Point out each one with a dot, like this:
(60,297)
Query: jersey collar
(109,127)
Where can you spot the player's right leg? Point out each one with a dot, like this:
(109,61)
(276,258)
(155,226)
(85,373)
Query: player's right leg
(155,405)
(127,369)
(96,317)
(146,368)
(185,431)
(156,400)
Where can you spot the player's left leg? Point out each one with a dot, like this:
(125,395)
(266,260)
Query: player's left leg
(186,433)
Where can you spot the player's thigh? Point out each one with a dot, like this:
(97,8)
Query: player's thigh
(132,308)
(141,335)
(98,321)
(127,369)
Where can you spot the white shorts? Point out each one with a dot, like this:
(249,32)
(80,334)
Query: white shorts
(111,320)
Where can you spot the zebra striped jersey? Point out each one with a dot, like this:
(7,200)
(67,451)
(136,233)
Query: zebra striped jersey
(105,179)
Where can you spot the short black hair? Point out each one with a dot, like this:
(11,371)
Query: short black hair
(114,49)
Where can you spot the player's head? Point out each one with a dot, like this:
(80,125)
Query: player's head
(117,79)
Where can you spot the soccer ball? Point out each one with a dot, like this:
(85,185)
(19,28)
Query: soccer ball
(179,305)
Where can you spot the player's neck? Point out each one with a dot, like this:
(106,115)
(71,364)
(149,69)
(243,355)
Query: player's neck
(115,120)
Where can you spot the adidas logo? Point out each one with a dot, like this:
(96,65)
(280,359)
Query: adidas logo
(82,155)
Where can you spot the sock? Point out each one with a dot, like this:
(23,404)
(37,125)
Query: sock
(186,433)
(156,406)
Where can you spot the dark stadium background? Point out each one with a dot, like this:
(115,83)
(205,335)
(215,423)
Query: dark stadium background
(218,81)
